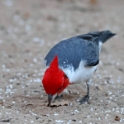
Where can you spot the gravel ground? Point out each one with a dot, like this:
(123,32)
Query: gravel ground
(28,29)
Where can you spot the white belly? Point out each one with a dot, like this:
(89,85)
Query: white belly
(81,74)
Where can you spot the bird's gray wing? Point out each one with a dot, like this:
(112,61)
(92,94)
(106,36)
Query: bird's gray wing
(73,50)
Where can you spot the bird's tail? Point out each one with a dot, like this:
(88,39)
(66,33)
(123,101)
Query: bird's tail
(105,35)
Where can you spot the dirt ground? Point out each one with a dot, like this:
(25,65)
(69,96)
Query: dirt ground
(28,29)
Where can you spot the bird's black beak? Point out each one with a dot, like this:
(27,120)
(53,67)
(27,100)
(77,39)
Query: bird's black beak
(49,99)
(112,34)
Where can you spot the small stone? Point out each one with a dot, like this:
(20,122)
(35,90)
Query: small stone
(98,88)
(6,119)
(1,101)
(117,118)
(73,120)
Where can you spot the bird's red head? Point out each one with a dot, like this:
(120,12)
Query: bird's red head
(54,80)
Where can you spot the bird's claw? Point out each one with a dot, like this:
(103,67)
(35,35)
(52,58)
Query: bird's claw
(84,99)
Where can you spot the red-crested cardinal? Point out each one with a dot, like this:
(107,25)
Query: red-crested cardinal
(71,61)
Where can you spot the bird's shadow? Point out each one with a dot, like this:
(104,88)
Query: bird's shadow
(34,101)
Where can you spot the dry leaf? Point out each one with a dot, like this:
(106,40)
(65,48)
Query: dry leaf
(60,103)
(93,2)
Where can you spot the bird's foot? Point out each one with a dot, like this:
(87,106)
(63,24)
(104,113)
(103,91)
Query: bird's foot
(59,97)
(84,99)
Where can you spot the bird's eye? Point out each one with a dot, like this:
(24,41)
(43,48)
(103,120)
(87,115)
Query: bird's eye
(65,76)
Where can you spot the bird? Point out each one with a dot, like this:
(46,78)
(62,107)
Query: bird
(71,61)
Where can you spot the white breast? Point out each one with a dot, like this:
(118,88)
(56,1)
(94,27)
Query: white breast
(81,74)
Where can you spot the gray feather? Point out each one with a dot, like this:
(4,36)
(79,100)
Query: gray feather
(83,47)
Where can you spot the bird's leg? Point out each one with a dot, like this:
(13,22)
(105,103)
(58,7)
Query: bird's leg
(53,98)
(58,97)
(86,98)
